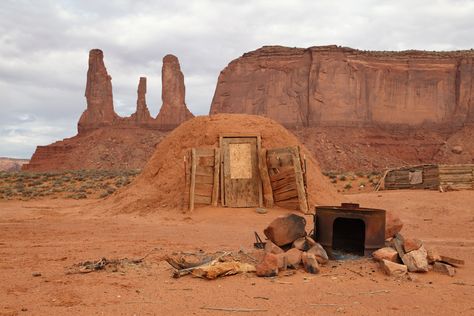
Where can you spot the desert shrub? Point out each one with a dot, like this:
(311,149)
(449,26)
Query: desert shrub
(348,186)
(333,180)
(343,177)
(77,196)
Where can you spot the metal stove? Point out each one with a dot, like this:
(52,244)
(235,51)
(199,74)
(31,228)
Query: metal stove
(349,229)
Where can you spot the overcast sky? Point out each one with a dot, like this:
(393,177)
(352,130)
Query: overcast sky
(44,48)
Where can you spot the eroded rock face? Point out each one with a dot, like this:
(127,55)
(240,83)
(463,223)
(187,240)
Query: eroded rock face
(100,104)
(336,86)
(142,115)
(100,109)
(174,110)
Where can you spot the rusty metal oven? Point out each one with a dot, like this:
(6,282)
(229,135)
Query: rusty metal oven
(350,229)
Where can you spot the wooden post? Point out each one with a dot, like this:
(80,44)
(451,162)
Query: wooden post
(193,179)
(303,201)
(215,187)
(266,184)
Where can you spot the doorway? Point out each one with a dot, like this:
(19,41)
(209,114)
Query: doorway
(240,178)
(349,235)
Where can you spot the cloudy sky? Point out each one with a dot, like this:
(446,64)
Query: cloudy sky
(44,48)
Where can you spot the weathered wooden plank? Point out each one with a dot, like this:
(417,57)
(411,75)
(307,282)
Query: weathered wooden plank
(266,183)
(204,170)
(199,199)
(207,161)
(283,182)
(300,185)
(289,187)
(215,185)
(200,152)
(203,189)
(204,179)
(193,179)
(282,174)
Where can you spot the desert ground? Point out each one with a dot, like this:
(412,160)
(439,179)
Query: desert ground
(41,239)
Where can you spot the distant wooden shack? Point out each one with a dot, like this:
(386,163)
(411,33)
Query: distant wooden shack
(431,177)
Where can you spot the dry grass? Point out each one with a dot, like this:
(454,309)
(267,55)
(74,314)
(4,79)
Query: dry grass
(354,182)
(78,184)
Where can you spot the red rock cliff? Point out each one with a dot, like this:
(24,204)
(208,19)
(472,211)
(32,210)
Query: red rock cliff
(100,105)
(100,109)
(174,110)
(335,86)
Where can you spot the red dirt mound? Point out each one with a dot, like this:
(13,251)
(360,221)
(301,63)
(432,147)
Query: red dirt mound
(161,185)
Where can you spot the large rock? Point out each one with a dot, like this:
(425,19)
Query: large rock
(393,224)
(272,248)
(416,260)
(393,269)
(304,243)
(268,267)
(100,109)
(310,263)
(386,253)
(340,86)
(444,268)
(320,254)
(100,104)
(292,259)
(286,229)
(433,256)
(142,114)
(410,244)
(174,110)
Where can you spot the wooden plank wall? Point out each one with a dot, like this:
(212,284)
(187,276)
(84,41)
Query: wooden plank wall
(399,178)
(456,177)
(204,176)
(286,178)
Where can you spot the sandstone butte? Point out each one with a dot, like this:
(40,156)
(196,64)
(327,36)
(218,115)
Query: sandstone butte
(354,110)
(100,109)
(107,141)
(339,86)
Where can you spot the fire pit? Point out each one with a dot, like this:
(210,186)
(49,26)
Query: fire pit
(349,229)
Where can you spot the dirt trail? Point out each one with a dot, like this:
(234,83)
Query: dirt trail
(48,235)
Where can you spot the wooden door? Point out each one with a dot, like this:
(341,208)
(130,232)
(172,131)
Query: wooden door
(287,177)
(240,176)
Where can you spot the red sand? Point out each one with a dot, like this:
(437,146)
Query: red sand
(161,185)
(49,235)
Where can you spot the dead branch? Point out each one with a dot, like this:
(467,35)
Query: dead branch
(232,309)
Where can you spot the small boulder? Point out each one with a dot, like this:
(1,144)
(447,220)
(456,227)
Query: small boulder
(286,229)
(444,268)
(410,244)
(452,261)
(268,267)
(386,253)
(433,256)
(457,150)
(393,224)
(393,269)
(318,251)
(293,258)
(310,263)
(416,260)
(304,243)
(272,248)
